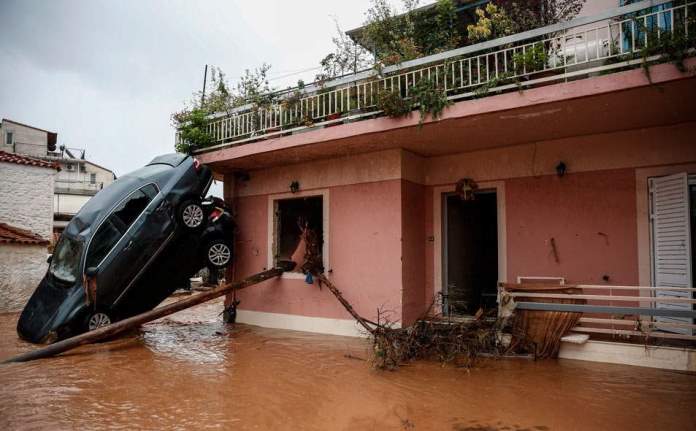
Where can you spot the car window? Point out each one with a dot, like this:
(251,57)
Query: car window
(116,225)
(104,240)
(150,190)
(130,209)
(65,263)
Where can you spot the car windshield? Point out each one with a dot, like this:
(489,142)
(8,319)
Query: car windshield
(65,263)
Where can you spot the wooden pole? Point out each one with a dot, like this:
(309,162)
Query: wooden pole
(337,293)
(205,79)
(132,322)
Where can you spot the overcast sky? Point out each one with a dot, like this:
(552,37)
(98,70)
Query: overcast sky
(106,75)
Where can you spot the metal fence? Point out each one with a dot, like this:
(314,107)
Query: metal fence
(613,310)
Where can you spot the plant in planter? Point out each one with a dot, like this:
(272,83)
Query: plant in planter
(192,122)
(192,127)
(501,79)
(532,59)
(392,104)
(672,46)
(291,104)
(430,99)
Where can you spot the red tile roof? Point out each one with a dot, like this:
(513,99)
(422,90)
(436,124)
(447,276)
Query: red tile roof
(11,234)
(24,160)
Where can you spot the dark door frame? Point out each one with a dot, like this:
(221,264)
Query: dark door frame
(444,242)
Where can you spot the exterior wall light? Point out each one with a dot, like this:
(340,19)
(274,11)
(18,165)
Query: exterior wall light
(561,169)
(295,186)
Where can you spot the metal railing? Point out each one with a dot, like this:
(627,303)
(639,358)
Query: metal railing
(615,39)
(638,311)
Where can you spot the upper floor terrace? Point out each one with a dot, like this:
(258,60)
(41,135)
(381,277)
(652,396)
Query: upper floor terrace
(635,36)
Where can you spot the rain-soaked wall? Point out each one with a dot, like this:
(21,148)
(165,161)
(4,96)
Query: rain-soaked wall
(384,231)
(362,196)
(596,213)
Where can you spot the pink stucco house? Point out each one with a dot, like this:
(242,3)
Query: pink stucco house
(572,170)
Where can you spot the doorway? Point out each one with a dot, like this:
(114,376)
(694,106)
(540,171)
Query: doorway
(470,246)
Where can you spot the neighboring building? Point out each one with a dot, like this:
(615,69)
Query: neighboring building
(26,220)
(28,140)
(585,167)
(78,179)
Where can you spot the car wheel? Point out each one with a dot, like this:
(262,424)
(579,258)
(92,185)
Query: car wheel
(97,320)
(218,254)
(191,214)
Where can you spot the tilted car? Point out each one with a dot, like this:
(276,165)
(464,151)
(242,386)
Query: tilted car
(128,248)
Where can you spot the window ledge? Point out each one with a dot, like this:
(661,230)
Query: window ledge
(289,275)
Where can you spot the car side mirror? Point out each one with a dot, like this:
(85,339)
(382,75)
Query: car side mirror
(49,258)
(91,271)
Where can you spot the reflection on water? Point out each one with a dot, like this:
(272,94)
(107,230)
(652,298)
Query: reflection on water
(190,371)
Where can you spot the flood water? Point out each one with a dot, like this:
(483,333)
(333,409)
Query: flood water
(190,371)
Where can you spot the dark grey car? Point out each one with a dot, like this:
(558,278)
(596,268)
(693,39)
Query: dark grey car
(130,247)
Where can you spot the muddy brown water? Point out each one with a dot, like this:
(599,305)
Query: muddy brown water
(190,371)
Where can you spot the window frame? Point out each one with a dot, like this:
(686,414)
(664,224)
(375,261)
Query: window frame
(9,138)
(691,181)
(272,227)
(125,234)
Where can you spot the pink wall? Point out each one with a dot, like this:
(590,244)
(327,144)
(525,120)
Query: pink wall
(572,210)
(413,250)
(364,254)
(591,216)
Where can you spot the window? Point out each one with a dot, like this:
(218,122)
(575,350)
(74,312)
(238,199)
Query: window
(92,178)
(9,138)
(116,225)
(83,168)
(70,167)
(65,263)
(671,218)
(104,240)
(292,216)
(659,17)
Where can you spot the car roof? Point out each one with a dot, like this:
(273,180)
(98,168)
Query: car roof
(174,159)
(99,206)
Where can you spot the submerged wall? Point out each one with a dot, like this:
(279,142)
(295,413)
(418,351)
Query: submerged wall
(384,232)
(591,217)
(364,233)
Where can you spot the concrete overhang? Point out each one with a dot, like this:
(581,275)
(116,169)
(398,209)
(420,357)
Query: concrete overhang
(601,104)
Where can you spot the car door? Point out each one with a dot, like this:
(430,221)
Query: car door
(112,248)
(148,236)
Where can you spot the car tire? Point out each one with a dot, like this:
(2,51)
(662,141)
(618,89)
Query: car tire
(97,319)
(191,214)
(218,254)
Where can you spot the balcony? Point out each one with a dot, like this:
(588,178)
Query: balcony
(618,39)
(77,187)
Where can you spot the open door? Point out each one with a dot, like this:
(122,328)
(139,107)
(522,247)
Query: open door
(670,216)
(470,232)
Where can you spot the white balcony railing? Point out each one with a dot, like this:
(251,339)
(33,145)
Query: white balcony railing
(77,187)
(613,40)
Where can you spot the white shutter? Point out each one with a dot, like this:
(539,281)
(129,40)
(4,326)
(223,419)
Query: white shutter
(671,242)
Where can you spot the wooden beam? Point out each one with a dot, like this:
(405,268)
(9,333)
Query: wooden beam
(132,322)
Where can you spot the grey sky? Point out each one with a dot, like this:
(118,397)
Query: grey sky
(106,75)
